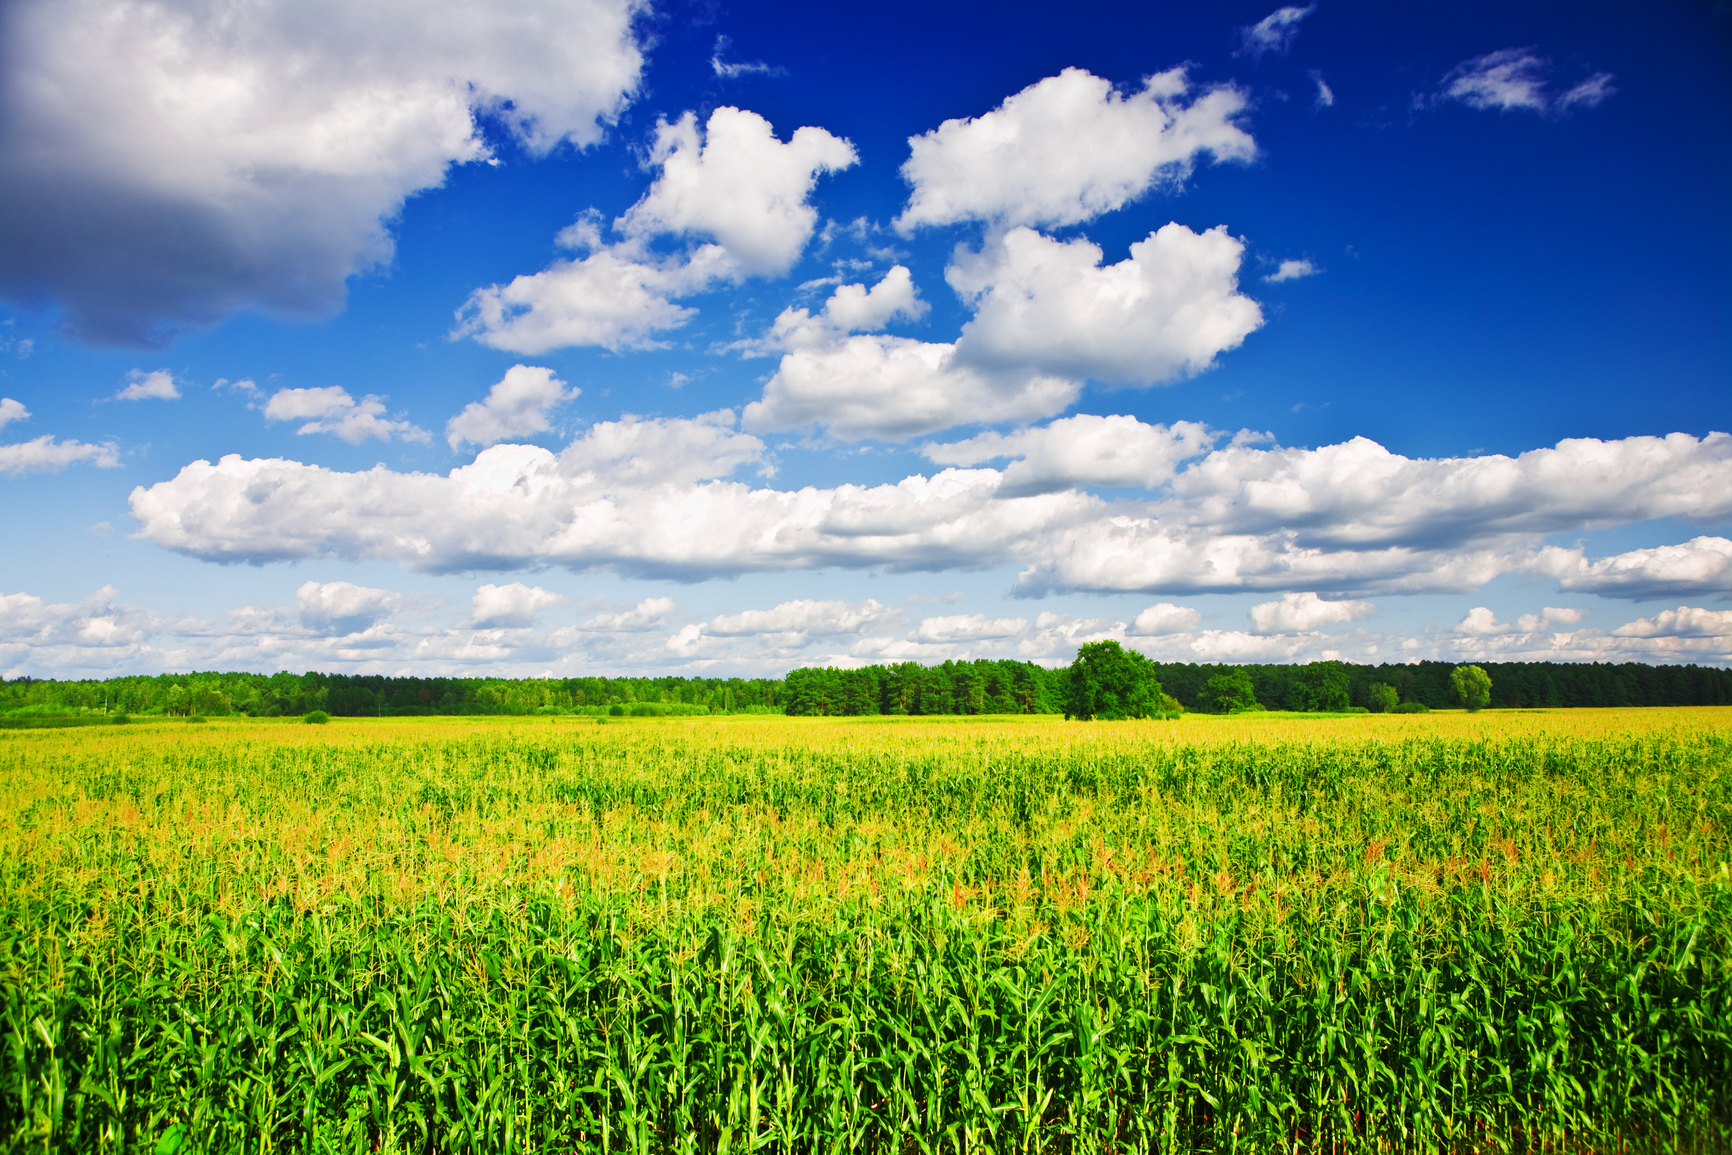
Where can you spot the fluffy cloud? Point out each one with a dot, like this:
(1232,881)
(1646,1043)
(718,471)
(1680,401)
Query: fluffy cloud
(1549,617)
(509,606)
(11,411)
(340,625)
(1164,618)
(1359,494)
(516,406)
(802,617)
(735,185)
(1068,148)
(95,621)
(1298,613)
(1480,622)
(1048,317)
(170,163)
(1701,565)
(896,387)
(738,184)
(781,632)
(154,386)
(1082,450)
(636,454)
(46,455)
(611,299)
(1274,33)
(1164,312)
(1292,271)
(951,628)
(1683,622)
(652,497)
(1555,635)
(344,607)
(648,614)
(1517,78)
(850,309)
(333,411)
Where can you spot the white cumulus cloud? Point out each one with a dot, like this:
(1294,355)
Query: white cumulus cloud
(648,614)
(516,406)
(1683,622)
(736,183)
(897,387)
(850,309)
(1164,312)
(1048,318)
(1700,565)
(1301,612)
(169,163)
(733,186)
(157,385)
(1068,148)
(1292,271)
(1164,618)
(1549,618)
(1114,451)
(512,606)
(331,410)
(11,411)
(46,455)
(655,497)
(343,606)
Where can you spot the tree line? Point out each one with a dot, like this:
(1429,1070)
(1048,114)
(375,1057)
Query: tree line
(955,687)
(1011,687)
(353,695)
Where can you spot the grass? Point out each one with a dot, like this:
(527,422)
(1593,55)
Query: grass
(1444,932)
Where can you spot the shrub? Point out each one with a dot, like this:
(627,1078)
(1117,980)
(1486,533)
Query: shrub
(616,711)
(1411,708)
(120,719)
(195,718)
(316,718)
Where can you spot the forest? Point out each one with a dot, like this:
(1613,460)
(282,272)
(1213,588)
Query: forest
(978,687)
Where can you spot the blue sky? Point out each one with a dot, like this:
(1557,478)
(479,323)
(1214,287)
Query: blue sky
(606,337)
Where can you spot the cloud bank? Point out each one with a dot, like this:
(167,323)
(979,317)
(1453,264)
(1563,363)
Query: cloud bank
(170,163)
(655,497)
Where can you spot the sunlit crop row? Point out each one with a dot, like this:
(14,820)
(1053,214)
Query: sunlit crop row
(1434,932)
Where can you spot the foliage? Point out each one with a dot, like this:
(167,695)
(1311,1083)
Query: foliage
(1381,698)
(1321,686)
(1472,687)
(1411,708)
(316,718)
(344,695)
(982,687)
(1446,933)
(1229,692)
(1108,681)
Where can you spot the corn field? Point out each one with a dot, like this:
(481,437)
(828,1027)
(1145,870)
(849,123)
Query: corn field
(1431,933)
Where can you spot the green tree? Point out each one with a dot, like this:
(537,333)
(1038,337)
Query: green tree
(1109,681)
(1472,687)
(1321,686)
(1381,698)
(1229,692)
